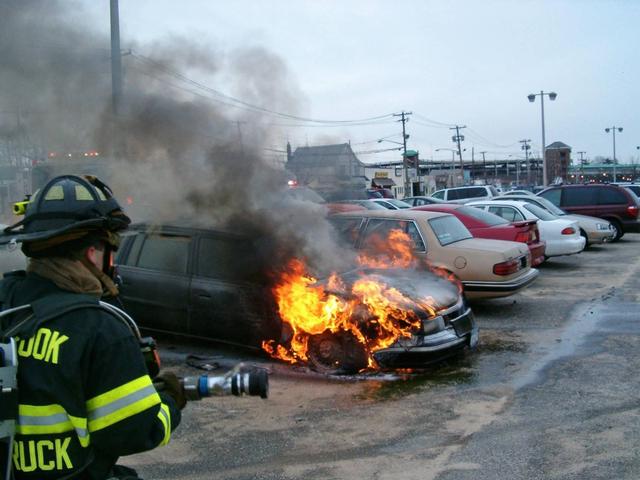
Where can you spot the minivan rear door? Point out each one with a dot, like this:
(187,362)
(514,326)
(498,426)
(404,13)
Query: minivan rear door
(228,298)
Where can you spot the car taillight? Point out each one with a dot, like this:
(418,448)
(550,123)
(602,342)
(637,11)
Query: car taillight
(568,231)
(506,268)
(633,211)
(522,237)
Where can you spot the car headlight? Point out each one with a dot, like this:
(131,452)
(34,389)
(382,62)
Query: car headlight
(603,226)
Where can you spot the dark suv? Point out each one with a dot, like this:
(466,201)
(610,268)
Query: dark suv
(611,202)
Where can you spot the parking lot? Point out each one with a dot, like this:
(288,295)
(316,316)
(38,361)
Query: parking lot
(550,393)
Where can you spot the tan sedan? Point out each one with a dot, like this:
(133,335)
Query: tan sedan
(486,268)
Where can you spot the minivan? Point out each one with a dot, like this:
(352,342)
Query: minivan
(466,194)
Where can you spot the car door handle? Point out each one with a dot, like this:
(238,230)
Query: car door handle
(204,296)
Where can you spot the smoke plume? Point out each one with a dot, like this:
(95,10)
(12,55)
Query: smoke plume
(178,148)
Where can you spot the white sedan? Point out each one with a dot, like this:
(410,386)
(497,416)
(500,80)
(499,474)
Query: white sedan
(562,236)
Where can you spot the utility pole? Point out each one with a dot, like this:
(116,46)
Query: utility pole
(116,61)
(404,119)
(484,167)
(526,147)
(472,164)
(457,138)
(581,163)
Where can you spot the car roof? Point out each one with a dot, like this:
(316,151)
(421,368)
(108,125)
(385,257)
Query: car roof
(179,227)
(444,206)
(507,203)
(406,213)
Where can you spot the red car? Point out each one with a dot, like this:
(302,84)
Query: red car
(483,224)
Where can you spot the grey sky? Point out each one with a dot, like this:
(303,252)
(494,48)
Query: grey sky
(456,62)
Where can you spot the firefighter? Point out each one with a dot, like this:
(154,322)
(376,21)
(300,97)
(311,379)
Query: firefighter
(85,394)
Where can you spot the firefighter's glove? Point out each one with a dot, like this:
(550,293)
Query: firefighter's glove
(173,387)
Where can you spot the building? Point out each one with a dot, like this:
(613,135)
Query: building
(331,170)
(558,161)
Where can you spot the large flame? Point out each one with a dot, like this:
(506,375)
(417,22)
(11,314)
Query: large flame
(375,314)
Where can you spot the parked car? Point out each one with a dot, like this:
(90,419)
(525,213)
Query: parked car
(593,229)
(367,204)
(486,268)
(421,200)
(466,194)
(483,224)
(611,202)
(391,203)
(208,283)
(518,192)
(380,193)
(562,237)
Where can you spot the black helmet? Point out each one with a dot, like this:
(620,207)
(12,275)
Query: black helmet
(67,208)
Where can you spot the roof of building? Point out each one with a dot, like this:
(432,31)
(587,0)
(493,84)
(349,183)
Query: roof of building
(324,154)
(558,146)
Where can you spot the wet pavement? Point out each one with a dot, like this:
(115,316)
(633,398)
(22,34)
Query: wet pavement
(550,393)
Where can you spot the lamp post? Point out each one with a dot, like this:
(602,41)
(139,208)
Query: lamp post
(532,98)
(613,130)
(453,159)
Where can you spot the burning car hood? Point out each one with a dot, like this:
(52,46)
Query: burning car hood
(415,284)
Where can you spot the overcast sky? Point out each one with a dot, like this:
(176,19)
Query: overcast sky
(452,62)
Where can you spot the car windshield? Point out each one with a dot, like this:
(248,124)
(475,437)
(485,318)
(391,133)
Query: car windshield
(539,212)
(483,216)
(547,205)
(449,229)
(398,203)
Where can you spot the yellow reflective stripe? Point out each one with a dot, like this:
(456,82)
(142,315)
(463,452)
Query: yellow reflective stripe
(165,417)
(122,402)
(118,393)
(48,419)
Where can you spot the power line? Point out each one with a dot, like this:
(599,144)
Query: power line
(243,103)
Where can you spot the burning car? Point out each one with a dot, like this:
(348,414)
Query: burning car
(212,284)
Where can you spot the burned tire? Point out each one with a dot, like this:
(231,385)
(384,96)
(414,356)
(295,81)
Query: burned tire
(336,353)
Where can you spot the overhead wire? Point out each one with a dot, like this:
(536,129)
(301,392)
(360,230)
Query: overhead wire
(238,102)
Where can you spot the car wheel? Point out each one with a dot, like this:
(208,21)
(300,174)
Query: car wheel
(336,353)
(583,234)
(617,228)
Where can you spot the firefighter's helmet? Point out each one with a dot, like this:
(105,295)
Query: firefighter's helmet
(67,208)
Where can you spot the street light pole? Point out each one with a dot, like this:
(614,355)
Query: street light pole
(532,98)
(613,130)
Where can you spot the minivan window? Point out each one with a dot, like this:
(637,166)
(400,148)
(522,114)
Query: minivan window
(439,194)
(553,196)
(453,195)
(134,251)
(577,197)
(165,253)
(449,229)
(225,258)
(611,196)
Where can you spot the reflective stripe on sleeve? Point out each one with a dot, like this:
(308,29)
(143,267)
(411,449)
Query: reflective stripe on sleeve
(165,417)
(122,402)
(48,419)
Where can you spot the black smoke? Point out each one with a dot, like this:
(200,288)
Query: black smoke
(178,148)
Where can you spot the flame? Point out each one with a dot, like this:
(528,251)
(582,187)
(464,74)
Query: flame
(375,314)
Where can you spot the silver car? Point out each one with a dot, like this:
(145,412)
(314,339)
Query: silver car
(595,230)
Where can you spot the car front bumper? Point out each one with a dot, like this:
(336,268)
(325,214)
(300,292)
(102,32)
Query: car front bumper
(459,332)
(600,236)
(476,289)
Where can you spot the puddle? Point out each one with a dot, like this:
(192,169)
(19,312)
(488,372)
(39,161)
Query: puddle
(389,386)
